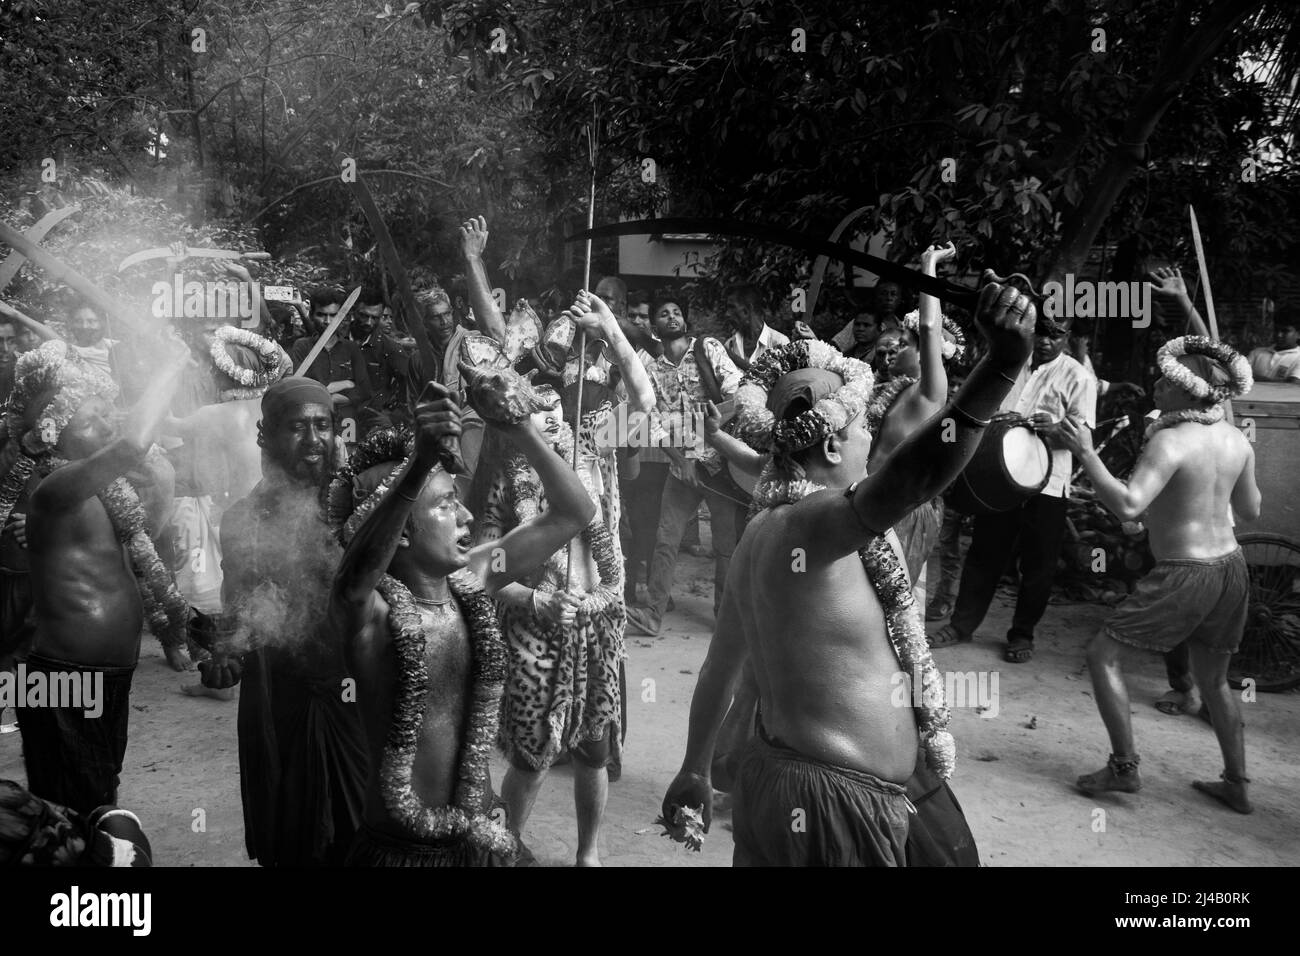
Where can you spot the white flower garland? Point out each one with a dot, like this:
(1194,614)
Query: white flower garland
(275,363)
(1191,383)
(52,366)
(758,427)
(954,341)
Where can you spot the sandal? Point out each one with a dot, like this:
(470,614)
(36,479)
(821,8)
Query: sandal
(947,636)
(1019,651)
(1176,703)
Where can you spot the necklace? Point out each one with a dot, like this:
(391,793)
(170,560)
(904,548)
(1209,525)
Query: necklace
(428,602)
(463,818)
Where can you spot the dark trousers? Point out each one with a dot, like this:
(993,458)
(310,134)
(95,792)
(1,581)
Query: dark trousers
(1037,527)
(641,497)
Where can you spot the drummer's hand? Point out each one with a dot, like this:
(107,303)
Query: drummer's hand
(1074,437)
(1006,318)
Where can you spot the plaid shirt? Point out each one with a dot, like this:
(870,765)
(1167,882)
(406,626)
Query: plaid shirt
(678,388)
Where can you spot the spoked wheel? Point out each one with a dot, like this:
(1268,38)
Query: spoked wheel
(1270,647)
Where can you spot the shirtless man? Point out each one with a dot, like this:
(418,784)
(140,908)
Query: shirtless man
(830,741)
(416,530)
(88,608)
(1195,471)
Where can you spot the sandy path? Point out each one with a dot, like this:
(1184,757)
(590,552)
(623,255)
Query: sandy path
(1014,782)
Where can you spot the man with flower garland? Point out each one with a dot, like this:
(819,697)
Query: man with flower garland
(94,572)
(411,603)
(825,612)
(1194,473)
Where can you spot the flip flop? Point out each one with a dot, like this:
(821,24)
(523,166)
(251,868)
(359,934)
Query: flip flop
(947,636)
(1019,651)
(1173,703)
(938,611)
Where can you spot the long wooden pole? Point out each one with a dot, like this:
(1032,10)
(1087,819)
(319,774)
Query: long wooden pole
(582,337)
(1210,319)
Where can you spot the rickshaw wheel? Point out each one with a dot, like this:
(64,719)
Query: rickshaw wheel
(1270,647)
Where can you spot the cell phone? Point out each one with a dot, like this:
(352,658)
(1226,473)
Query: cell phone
(279,293)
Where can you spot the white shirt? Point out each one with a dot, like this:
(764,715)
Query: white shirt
(1276,365)
(97,355)
(769,338)
(1061,387)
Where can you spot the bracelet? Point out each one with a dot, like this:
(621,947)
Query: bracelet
(537,612)
(404,497)
(850,492)
(968,418)
(1006,377)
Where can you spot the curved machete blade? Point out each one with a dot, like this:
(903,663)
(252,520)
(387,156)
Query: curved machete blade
(959,295)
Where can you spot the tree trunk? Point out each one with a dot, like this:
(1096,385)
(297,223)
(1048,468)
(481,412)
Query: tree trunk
(1178,64)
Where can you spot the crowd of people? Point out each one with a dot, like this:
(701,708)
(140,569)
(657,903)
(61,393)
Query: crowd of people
(404,558)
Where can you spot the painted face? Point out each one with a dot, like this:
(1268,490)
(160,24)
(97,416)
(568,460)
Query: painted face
(439,527)
(1286,337)
(439,323)
(86,327)
(90,430)
(547,422)
(669,323)
(888,345)
(301,441)
(906,359)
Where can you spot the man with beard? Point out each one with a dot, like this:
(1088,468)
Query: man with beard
(95,575)
(828,634)
(387,366)
(410,602)
(87,330)
(302,749)
(678,377)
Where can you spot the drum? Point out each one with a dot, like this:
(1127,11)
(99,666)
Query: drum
(1011,464)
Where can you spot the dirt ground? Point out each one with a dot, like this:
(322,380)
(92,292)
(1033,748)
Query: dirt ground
(1014,775)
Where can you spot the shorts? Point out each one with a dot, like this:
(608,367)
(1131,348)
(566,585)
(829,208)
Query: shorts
(1186,599)
(790,810)
(370,847)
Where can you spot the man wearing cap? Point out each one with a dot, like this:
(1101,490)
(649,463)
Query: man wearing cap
(96,578)
(1054,388)
(1195,471)
(819,603)
(302,748)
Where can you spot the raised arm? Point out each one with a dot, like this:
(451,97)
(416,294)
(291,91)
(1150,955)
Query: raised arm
(40,328)
(729,447)
(934,379)
(473,241)
(589,312)
(67,487)
(923,465)
(372,548)
(1167,282)
(569,509)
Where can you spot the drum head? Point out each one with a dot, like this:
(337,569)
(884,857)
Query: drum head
(1026,458)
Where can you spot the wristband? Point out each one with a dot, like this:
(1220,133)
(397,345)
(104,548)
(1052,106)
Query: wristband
(537,612)
(850,492)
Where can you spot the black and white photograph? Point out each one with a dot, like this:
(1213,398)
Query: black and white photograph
(650,433)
